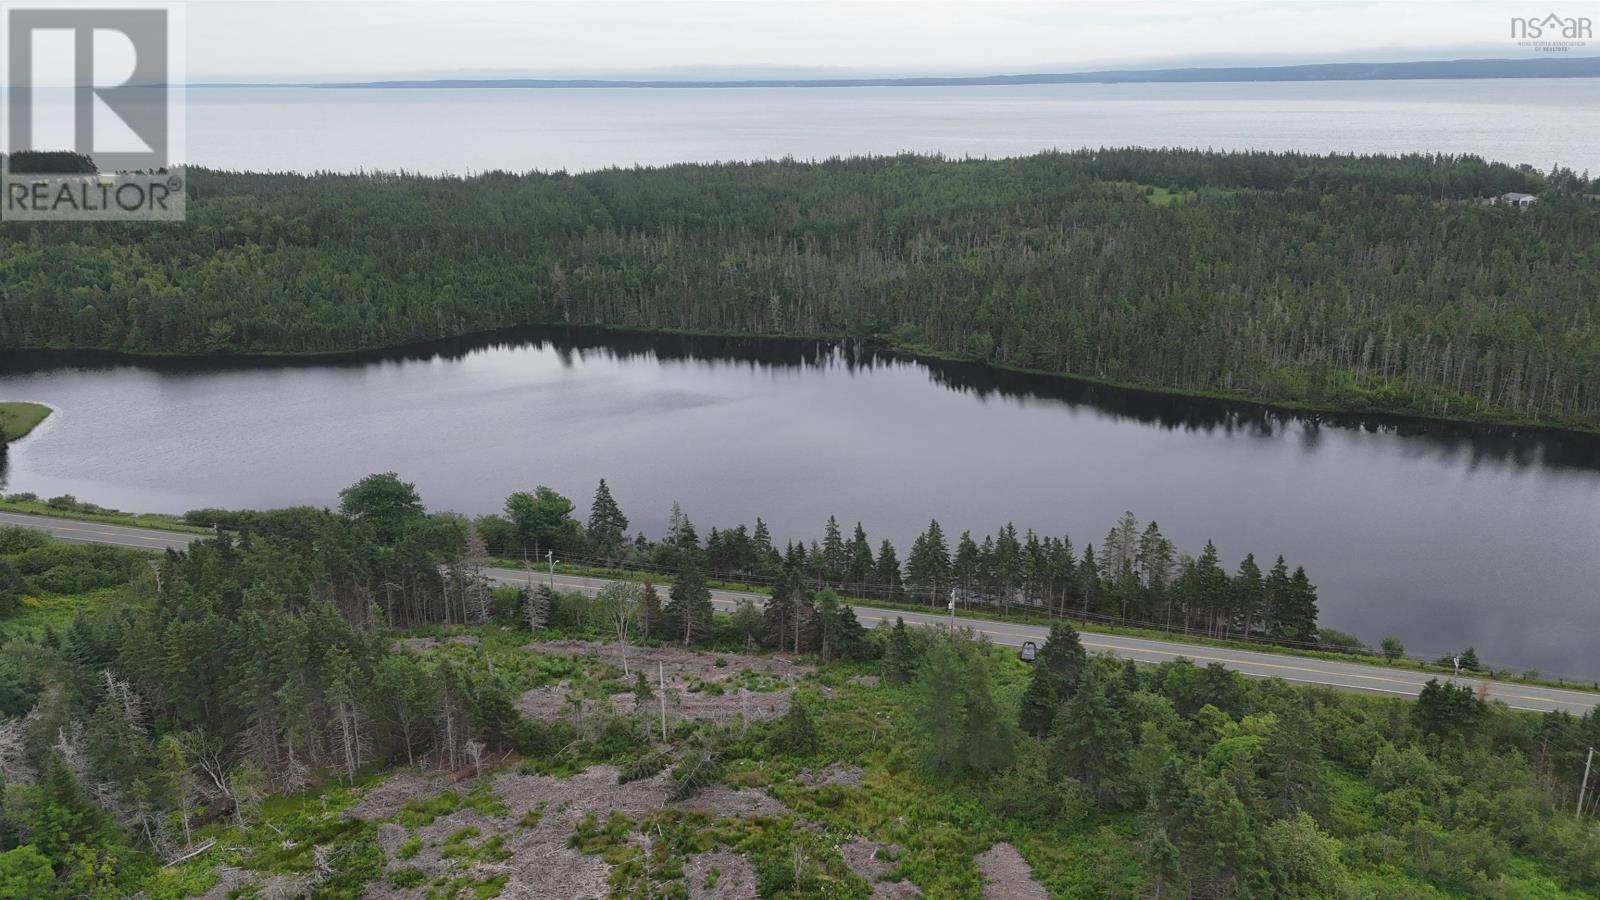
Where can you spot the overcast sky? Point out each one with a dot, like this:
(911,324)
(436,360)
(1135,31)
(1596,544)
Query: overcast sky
(284,40)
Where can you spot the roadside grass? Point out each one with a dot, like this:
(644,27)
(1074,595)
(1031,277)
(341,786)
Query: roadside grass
(1104,629)
(17,419)
(67,507)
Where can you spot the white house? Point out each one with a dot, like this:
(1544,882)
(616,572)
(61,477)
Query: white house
(1513,198)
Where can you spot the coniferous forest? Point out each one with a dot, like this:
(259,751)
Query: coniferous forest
(1366,283)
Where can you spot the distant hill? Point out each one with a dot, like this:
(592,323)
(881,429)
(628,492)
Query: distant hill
(1555,67)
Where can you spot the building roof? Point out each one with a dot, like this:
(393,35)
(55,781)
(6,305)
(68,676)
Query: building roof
(1517,195)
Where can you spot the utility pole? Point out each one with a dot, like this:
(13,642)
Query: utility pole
(952,614)
(551,556)
(1585,789)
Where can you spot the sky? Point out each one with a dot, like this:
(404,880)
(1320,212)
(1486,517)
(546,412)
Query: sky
(288,40)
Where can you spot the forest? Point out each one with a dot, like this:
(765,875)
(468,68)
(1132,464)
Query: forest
(338,704)
(1363,283)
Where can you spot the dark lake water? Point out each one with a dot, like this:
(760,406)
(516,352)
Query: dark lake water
(1442,535)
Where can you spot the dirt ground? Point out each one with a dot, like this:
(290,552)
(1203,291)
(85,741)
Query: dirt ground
(697,686)
(386,798)
(736,878)
(868,859)
(1007,876)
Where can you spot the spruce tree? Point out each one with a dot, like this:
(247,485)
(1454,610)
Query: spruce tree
(650,615)
(1249,595)
(899,654)
(886,571)
(607,525)
(928,566)
(688,612)
(1053,679)
(1091,741)
(839,633)
(858,569)
(1300,621)
(1278,600)
(835,560)
(778,613)
(796,734)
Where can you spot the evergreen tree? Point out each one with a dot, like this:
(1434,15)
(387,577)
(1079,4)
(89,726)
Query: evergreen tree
(1155,557)
(961,726)
(834,558)
(1292,766)
(1090,740)
(886,571)
(1007,564)
(796,734)
(1211,584)
(1248,595)
(779,614)
(651,617)
(965,569)
(858,569)
(899,654)
(1447,710)
(1090,586)
(839,632)
(688,610)
(607,525)
(1299,623)
(12,588)
(1053,679)
(1279,601)
(768,560)
(928,566)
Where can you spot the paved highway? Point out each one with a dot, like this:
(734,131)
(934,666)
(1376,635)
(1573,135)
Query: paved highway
(1259,664)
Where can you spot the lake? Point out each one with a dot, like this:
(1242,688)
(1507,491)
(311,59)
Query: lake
(1536,121)
(1443,535)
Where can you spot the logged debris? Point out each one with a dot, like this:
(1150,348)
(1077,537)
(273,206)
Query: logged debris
(1007,876)
(523,840)
(871,861)
(865,858)
(702,686)
(707,666)
(720,875)
(393,793)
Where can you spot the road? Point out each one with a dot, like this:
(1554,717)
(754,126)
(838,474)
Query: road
(1254,663)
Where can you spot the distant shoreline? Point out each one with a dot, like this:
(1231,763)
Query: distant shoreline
(1555,67)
